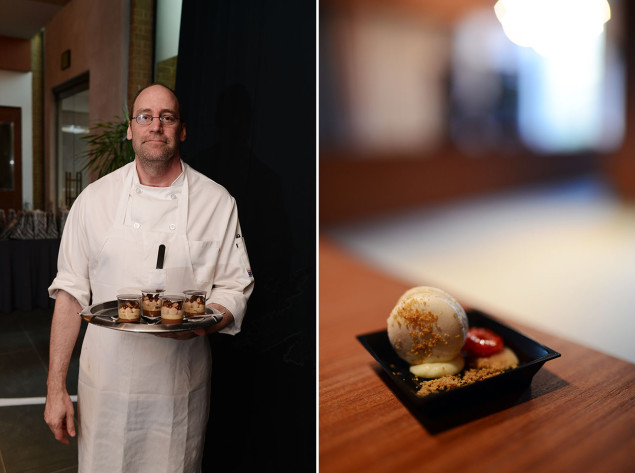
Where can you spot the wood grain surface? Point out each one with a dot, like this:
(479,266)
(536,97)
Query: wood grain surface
(578,414)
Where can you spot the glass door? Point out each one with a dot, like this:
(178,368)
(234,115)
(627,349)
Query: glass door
(72,128)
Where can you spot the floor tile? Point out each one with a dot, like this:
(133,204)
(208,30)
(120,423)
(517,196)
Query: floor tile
(23,374)
(12,336)
(27,444)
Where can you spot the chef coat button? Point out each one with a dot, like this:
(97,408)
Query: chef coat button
(172,226)
(138,191)
(136,225)
(172,196)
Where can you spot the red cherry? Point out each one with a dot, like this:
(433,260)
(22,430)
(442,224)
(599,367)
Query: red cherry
(481,342)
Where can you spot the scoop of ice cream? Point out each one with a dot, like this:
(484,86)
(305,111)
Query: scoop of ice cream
(427,325)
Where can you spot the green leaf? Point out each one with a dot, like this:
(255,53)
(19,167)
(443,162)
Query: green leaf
(108,147)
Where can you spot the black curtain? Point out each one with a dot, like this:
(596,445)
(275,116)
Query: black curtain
(246,79)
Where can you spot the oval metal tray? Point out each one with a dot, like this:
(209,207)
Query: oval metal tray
(105,315)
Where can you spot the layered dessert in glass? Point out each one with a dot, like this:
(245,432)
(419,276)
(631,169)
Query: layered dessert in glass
(151,303)
(194,304)
(129,308)
(172,309)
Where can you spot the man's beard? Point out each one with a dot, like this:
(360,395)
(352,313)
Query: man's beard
(157,160)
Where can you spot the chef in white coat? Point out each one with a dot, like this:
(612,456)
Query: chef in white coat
(143,400)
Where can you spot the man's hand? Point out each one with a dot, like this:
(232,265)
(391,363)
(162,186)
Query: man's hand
(59,414)
(182,335)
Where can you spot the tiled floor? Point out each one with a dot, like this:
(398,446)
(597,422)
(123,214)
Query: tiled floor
(275,428)
(26,443)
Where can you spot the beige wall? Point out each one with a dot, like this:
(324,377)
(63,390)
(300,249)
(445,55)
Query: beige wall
(96,34)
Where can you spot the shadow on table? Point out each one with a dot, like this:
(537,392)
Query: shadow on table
(445,414)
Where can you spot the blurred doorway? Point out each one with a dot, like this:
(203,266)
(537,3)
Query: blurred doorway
(72,127)
(10,158)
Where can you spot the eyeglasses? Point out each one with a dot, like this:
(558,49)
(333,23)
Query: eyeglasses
(166,120)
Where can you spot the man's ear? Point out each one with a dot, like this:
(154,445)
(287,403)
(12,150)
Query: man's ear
(183,133)
(129,132)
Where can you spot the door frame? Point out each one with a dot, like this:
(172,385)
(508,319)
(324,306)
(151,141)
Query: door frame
(12,199)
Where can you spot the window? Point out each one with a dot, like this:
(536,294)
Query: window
(558,89)
(72,127)
(166,49)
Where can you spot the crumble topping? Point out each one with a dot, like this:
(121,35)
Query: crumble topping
(422,326)
(481,368)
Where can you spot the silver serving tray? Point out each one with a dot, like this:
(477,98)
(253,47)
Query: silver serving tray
(105,315)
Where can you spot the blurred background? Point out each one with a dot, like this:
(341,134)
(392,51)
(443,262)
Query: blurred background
(245,71)
(483,147)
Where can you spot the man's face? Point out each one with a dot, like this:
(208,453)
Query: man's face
(155,142)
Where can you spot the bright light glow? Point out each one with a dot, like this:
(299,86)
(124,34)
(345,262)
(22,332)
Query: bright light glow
(561,99)
(75,129)
(552,27)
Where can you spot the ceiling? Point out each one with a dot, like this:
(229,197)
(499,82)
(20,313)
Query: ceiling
(24,18)
(446,11)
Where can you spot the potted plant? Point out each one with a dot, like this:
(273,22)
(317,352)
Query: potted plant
(108,146)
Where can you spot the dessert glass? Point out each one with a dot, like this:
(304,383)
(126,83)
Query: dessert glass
(194,304)
(151,304)
(172,309)
(129,307)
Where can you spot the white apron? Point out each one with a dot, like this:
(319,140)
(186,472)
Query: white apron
(143,401)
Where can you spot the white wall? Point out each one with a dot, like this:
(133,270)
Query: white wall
(15,91)
(393,71)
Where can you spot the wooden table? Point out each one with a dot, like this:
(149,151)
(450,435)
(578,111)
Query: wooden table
(578,414)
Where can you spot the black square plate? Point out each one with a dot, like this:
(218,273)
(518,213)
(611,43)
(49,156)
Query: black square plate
(531,354)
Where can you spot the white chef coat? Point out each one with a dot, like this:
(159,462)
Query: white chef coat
(143,401)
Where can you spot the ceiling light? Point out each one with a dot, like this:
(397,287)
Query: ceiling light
(552,27)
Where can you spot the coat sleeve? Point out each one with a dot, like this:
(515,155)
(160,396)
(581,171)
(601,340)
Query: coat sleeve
(233,279)
(72,260)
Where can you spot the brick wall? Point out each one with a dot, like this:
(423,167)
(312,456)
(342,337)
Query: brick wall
(141,53)
(166,72)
